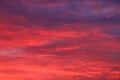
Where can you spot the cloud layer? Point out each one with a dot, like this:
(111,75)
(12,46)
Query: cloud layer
(59,40)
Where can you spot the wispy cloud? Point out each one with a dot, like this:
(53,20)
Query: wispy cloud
(59,40)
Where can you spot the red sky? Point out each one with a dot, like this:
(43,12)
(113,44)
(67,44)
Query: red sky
(59,40)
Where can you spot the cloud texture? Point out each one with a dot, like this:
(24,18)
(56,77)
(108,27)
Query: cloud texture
(59,40)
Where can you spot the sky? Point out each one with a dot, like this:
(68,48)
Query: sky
(59,40)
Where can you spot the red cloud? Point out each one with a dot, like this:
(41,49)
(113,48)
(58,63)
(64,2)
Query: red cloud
(53,40)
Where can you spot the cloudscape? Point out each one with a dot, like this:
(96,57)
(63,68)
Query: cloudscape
(59,40)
